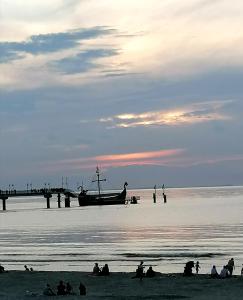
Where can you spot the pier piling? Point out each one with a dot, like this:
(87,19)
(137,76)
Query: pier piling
(67,200)
(48,196)
(4,202)
(59,200)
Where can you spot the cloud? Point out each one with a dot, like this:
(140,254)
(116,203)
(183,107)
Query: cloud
(180,158)
(195,113)
(67,148)
(48,43)
(116,160)
(83,61)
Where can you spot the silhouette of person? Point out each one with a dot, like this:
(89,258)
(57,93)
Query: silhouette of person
(224,272)
(188,268)
(197,267)
(26,268)
(96,269)
(139,271)
(82,289)
(61,289)
(69,289)
(150,272)
(1,269)
(105,270)
(230,266)
(48,291)
(214,273)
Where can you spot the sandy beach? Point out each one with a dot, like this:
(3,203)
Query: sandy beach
(23,285)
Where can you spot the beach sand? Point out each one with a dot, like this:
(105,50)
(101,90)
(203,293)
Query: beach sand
(24,285)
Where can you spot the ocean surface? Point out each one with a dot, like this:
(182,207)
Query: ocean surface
(204,224)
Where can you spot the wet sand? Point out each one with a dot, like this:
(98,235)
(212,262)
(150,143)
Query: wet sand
(24,285)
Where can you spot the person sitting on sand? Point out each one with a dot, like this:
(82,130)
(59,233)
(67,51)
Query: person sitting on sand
(150,272)
(69,289)
(105,270)
(26,268)
(31,269)
(82,289)
(241,272)
(224,273)
(61,289)
(139,271)
(197,267)
(48,291)
(214,273)
(96,269)
(188,268)
(1,269)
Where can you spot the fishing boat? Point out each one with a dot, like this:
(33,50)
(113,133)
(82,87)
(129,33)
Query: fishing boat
(85,198)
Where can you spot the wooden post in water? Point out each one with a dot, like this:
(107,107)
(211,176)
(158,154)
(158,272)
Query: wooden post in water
(59,200)
(48,196)
(67,200)
(4,198)
(154,194)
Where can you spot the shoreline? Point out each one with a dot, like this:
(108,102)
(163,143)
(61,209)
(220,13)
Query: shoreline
(22,284)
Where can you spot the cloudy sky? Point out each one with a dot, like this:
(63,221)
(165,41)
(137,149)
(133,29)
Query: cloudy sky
(149,90)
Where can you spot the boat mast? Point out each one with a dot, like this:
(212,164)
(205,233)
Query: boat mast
(98,179)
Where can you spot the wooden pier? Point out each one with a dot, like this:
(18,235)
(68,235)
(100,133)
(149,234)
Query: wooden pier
(46,193)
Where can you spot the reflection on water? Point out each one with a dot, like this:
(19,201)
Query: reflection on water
(199,223)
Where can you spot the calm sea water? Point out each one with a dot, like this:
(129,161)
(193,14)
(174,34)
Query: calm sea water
(204,224)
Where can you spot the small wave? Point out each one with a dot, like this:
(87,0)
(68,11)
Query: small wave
(49,254)
(172,255)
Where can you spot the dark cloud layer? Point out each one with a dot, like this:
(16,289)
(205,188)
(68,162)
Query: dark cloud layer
(83,61)
(47,43)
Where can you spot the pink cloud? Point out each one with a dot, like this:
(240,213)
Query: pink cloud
(117,160)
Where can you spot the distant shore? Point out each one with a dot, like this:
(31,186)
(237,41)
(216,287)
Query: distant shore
(24,285)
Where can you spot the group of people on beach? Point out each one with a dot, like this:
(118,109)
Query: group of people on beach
(188,268)
(63,289)
(140,272)
(28,269)
(104,271)
(67,289)
(227,270)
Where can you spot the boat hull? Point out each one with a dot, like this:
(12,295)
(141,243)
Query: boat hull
(103,199)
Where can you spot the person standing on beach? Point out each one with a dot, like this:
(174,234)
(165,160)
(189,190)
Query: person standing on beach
(197,267)
(231,266)
(139,272)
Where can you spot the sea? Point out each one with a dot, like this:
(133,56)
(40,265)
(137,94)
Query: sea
(202,224)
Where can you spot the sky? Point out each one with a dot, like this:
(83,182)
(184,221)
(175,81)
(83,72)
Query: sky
(148,90)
